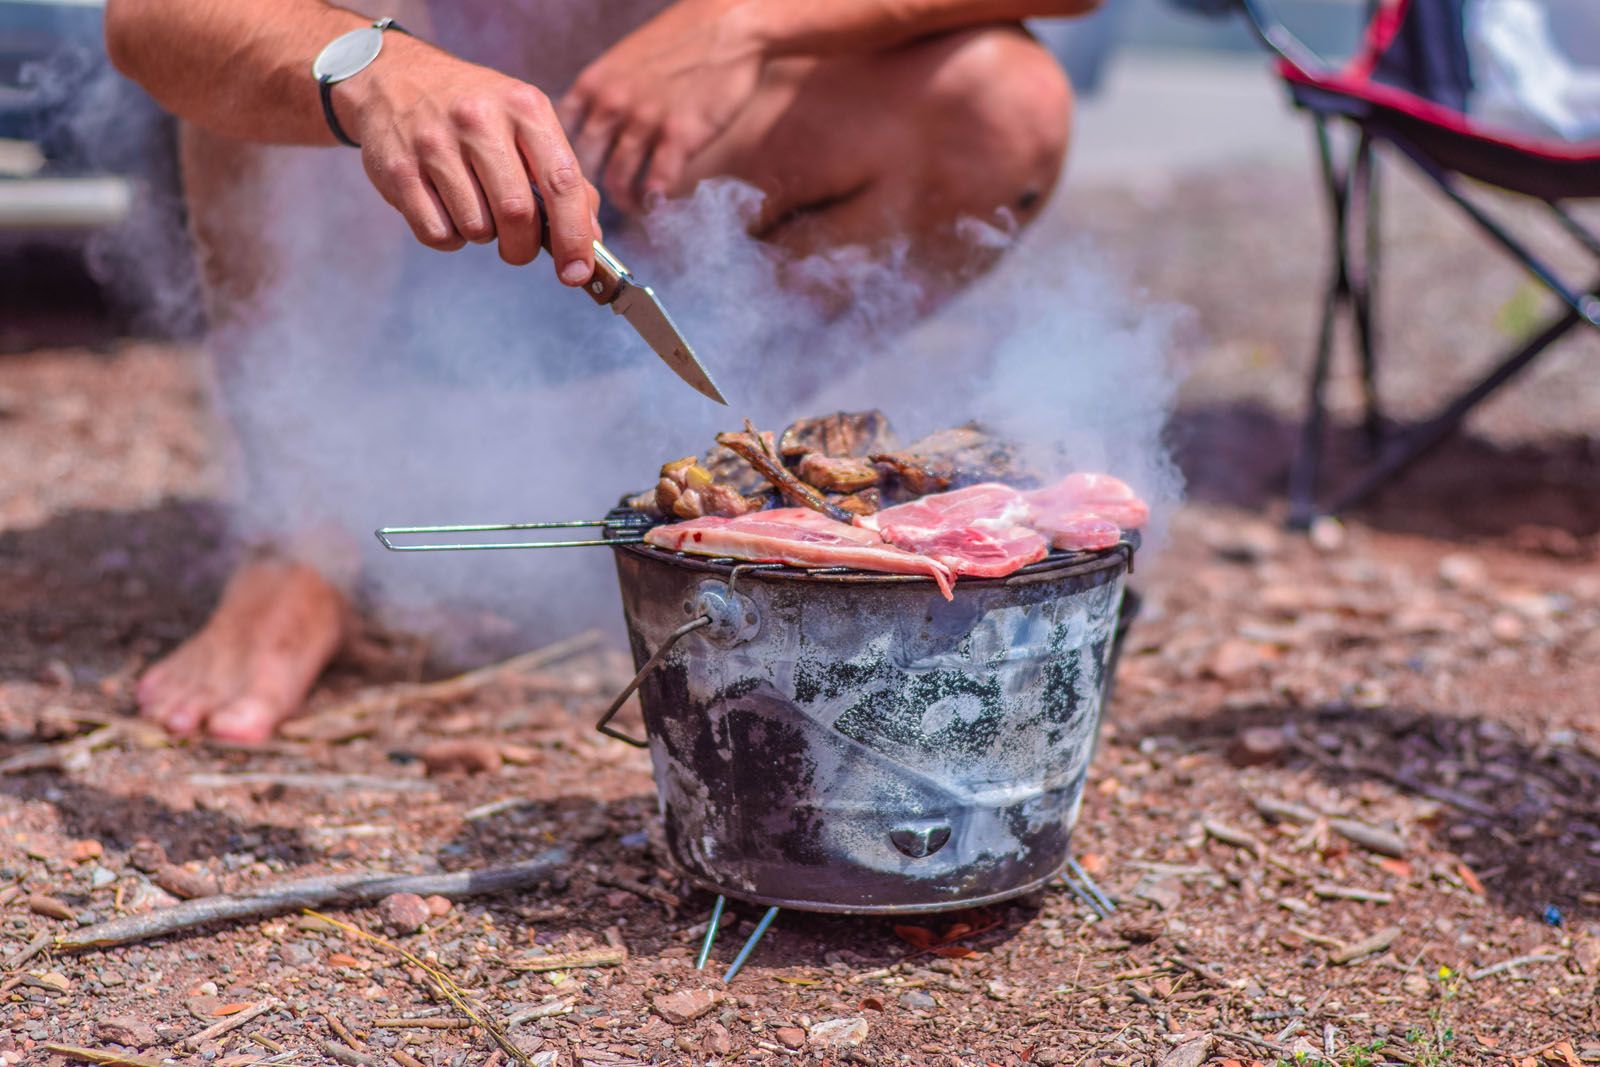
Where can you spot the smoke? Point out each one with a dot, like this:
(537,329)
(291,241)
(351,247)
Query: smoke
(369,381)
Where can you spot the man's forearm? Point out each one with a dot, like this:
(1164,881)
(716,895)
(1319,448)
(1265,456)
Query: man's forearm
(821,27)
(237,67)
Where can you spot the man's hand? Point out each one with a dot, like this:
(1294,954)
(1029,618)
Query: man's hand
(457,149)
(642,110)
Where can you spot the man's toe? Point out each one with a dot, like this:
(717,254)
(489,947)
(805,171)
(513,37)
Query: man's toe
(247,720)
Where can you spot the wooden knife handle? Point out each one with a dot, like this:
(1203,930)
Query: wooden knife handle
(609,273)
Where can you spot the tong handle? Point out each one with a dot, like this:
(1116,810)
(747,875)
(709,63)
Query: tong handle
(610,277)
(387,534)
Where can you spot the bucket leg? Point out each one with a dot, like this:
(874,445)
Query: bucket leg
(711,933)
(1083,887)
(750,944)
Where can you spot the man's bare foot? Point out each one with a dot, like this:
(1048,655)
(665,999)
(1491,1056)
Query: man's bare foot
(251,666)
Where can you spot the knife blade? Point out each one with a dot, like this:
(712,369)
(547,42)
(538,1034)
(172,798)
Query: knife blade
(613,285)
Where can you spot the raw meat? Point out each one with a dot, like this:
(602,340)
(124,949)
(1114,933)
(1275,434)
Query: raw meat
(799,537)
(977,531)
(1086,512)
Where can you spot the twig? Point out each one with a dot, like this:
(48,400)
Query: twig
(30,950)
(1370,838)
(405,1059)
(346,1055)
(100,1056)
(1249,1039)
(495,807)
(442,984)
(1229,836)
(1284,811)
(232,1022)
(434,1023)
(589,957)
(540,1011)
(665,898)
(332,783)
(343,1033)
(369,703)
(1512,964)
(334,890)
(1366,946)
(1330,891)
(61,755)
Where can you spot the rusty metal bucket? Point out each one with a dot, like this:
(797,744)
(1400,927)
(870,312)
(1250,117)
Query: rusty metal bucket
(852,742)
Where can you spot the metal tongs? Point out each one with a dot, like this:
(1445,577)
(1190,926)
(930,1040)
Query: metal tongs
(622,527)
(614,285)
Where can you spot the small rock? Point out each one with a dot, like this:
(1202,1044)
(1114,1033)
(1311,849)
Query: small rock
(207,989)
(838,1033)
(1164,893)
(520,755)
(438,907)
(686,1005)
(126,1030)
(144,897)
(1460,570)
(186,884)
(99,877)
(1415,985)
(57,981)
(403,913)
(1049,1057)
(87,849)
(718,1041)
(1234,659)
(1507,628)
(50,907)
(147,856)
(461,757)
(1256,745)
(790,1036)
(298,954)
(1587,952)
(1189,1054)
(1327,534)
(917,1000)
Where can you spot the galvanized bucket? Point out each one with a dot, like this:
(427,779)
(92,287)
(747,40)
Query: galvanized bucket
(851,742)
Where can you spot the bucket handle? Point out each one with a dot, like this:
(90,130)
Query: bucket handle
(650,664)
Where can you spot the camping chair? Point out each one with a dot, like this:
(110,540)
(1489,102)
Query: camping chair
(1407,87)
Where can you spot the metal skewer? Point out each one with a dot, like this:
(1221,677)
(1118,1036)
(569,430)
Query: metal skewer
(750,944)
(1084,888)
(387,533)
(711,933)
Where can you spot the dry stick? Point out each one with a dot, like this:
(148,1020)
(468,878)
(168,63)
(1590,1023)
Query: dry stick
(1366,946)
(342,1032)
(405,1059)
(99,1056)
(431,1023)
(589,957)
(346,1055)
(1370,838)
(442,984)
(334,890)
(333,783)
(232,1022)
(30,950)
(378,701)
(57,756)
(1512,964)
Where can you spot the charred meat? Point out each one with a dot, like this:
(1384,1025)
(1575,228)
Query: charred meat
(837,474)
(687,490)
(758,450)
(853,434)
(950,459)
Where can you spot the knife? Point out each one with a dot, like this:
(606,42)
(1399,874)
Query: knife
(614,285)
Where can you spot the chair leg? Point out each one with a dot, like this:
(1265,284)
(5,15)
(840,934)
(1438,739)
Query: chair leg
(1417,442)
(1304,470)
(1364,192)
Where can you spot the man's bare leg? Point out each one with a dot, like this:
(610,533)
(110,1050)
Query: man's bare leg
(854,150)
(283,614)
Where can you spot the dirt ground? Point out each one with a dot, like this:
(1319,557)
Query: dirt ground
(1348,801)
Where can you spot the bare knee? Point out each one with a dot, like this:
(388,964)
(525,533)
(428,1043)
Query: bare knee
(1000,120)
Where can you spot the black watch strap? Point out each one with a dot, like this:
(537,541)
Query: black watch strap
(326,83)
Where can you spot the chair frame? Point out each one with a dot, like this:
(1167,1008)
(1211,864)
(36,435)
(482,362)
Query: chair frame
(1349,178)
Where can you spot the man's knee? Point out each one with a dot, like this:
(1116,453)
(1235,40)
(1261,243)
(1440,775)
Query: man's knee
(1002,114)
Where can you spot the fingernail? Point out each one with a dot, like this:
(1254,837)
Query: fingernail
(575,273)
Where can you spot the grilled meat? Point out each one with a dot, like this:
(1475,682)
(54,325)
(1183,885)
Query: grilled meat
(866,502)
(799,537)
(844,433)
(687,490)
(757,449)
(838,474)
(950,459)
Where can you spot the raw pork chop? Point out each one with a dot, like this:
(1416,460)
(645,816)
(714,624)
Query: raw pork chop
(976,531)
(799,537)
(1086,512)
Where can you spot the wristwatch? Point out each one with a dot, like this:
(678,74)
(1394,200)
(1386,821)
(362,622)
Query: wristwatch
(346,56)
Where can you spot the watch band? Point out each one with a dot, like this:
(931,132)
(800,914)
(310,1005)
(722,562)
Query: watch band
(327,79)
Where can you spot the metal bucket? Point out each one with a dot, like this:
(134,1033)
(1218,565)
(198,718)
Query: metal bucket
(851,742)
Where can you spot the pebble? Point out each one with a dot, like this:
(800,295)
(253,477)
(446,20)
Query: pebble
(186,884)
(404,913)
(50,907)
(298,954)
(438,906)
(1189,1054)
(686,1005)
(790,1036)
(100,877)
(1256,745)
(917,1000)
(1327,534)
(147,856)
(1459,570)
(461,757)
(718,1041)
(838,1033)
(126,1030)
(1507,628)
(87,849)
(207,989)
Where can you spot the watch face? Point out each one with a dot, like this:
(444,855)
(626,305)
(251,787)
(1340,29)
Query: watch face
(348,54)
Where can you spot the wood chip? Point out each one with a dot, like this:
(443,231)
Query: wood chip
(540,1011)
(1329,891)
(102,1057)
(1371,838)
(233,1022)
(435,1022)
(343,1033)
(1512,964)
(405,1059)
(609,956)
(1365,947)
(1230,836)
(345,1054)
(50,907)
